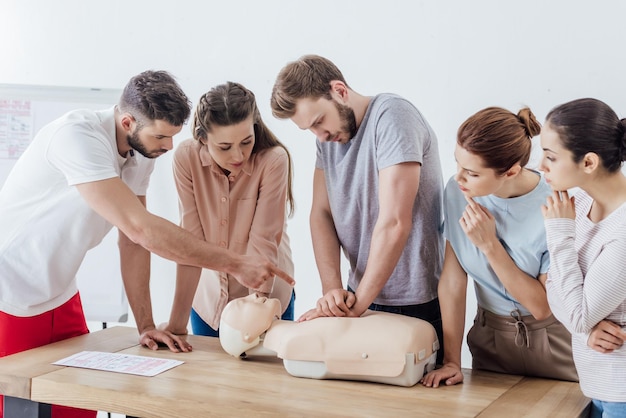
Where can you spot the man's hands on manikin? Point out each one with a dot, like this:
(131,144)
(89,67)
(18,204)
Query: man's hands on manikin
(336,302)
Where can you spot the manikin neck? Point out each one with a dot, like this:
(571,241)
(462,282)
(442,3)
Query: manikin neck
(259,350)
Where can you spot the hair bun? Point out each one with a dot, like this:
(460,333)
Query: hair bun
(529,121)
(621,125)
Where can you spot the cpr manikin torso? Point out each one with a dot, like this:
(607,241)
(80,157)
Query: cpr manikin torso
(377,347)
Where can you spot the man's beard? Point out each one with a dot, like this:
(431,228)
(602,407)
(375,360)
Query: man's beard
(348,120)
(135,143)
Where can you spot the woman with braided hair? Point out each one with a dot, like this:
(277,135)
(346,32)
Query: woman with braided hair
(234,186)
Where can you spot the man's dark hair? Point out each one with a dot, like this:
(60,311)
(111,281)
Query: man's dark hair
(155,95)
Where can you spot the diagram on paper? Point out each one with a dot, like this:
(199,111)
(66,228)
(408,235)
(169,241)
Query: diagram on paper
(119,363)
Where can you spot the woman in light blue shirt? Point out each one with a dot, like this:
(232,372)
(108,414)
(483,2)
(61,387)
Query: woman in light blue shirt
(495,235)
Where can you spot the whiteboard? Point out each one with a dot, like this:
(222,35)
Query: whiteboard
(24,110)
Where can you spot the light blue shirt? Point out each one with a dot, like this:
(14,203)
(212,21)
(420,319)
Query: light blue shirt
(520,229)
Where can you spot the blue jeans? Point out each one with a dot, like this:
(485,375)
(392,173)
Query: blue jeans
(601,409)
(199,327)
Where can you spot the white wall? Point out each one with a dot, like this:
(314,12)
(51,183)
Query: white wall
(451,58)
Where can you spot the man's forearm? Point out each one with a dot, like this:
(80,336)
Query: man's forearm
(135,268)
(326,248)
(387,245)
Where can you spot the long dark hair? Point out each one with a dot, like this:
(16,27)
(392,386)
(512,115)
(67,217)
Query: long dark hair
(232,103)
(590,125)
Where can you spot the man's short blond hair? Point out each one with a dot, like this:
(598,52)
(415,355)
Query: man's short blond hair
(308,77)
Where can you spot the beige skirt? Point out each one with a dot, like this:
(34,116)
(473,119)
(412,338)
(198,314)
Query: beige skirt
(521,345)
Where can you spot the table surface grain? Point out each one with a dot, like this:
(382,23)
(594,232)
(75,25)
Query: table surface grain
(212,383)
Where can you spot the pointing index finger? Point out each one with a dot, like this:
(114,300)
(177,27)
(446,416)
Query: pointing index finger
(278,272)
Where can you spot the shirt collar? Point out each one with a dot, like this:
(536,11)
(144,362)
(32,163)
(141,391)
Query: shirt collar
(208,161)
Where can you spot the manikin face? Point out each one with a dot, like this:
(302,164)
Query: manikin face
(328,119)
(557,162)
(154,139)
(231,146)
(472,177)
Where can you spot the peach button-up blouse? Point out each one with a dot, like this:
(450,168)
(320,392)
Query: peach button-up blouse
(245,213)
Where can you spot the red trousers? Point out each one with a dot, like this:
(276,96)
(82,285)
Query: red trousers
(22,333)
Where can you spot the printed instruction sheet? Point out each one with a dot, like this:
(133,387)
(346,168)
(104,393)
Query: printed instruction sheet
(119,363)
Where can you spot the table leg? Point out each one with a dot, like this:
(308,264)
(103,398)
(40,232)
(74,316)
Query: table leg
(25,408)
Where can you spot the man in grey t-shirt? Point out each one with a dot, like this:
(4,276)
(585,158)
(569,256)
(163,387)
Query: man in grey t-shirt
(377,193)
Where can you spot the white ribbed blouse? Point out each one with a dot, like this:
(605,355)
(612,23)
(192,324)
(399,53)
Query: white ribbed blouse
(586,284)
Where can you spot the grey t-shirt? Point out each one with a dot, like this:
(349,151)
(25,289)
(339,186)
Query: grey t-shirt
(393,131)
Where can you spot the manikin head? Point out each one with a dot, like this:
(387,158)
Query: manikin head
(244,320)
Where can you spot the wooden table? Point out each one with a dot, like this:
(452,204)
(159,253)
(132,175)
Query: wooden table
(211,383)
